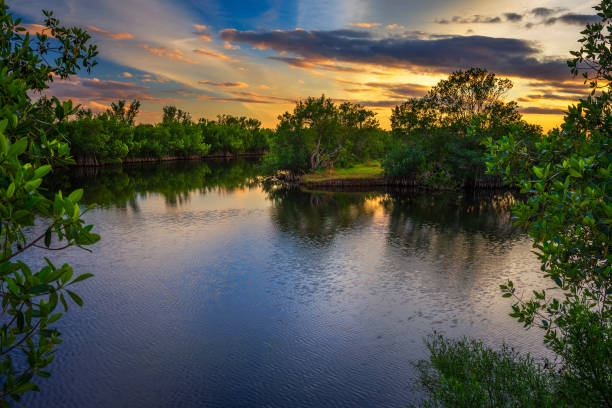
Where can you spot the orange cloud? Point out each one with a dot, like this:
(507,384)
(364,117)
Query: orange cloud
(213,54)
(127,75)
(109,34)
(229,46)
(202,32)
(247,97)
(225,84)
(364,25)
(395,26)
(170,53)
(34,29)
(157,79)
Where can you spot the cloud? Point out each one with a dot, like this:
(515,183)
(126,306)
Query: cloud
(562,87)
(85,90)
(542,111)
(109,34)
(310,65)
(476,19)
(157,79)
(574,19)
(378,104)
(545,11)
(34,29)
(214,54)
(395,27)
(229,46)
(127,75)
(170,53)
(514,17)
(404,90)
(549,96)
(506,56)
(202,32)
(247,97)
(225,84)
(364,25)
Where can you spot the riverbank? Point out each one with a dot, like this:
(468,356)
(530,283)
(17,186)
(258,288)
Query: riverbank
(371,174)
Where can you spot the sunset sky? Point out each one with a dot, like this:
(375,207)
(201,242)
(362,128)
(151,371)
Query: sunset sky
(255,58)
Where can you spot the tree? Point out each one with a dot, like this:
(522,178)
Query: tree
(455,102)
(126,114)
(319,133)
(568,175)
(29,146)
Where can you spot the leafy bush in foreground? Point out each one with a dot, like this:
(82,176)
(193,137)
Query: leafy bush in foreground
(466,373)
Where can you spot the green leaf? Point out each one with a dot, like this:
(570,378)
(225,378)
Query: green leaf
(17,148)
(10,190)
(75,297)
(76,195)
(42,171)
(54,318)
(574,173)
(12,286)
(82,278)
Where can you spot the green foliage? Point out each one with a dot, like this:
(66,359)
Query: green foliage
(319,133)
(438,137)
(30,145)
(466,373)
(230,135)
(27,57)
(567,177)
(112,137)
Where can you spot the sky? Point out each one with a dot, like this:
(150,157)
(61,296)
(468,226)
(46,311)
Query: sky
(257,57)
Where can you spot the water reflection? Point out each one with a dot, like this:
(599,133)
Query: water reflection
(213,290)
(121,186)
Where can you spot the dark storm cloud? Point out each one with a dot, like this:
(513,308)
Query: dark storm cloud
(506,56)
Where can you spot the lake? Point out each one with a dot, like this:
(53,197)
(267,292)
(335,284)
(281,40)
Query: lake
(211,290)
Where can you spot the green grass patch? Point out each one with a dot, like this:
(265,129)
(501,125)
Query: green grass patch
(367,170)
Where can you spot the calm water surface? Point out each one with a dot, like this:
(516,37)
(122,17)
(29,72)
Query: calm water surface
(211,291)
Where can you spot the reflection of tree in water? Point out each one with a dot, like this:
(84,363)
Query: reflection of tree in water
(459,225)
(119,186)
(318,216)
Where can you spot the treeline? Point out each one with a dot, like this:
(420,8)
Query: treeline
(436,140)
(113,136)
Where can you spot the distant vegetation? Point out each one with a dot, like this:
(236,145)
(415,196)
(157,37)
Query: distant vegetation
(113,137)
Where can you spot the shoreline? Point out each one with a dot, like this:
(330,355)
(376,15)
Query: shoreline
(488,184)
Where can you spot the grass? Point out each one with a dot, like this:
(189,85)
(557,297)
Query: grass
(369,170)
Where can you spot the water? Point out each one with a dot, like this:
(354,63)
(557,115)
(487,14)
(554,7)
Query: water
(213,291)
